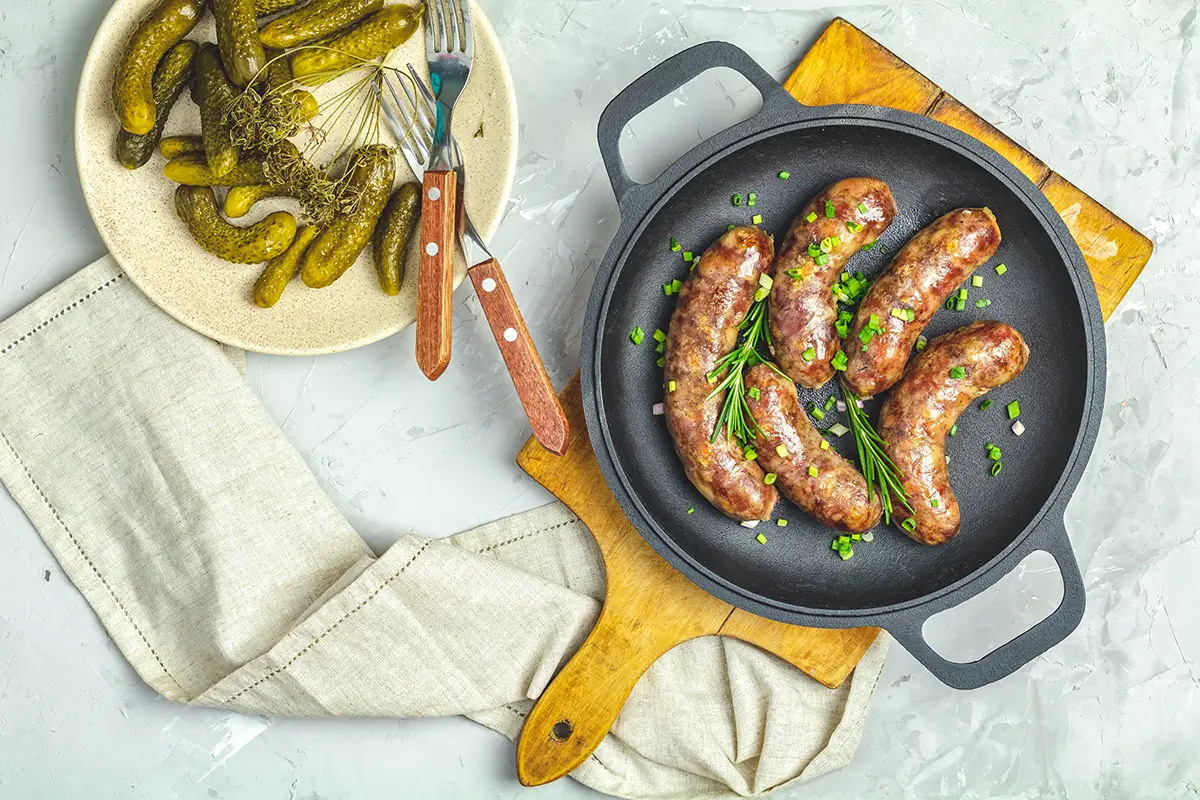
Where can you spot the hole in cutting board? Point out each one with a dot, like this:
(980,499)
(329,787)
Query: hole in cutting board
(562,730)
(1013,605)
(707,104)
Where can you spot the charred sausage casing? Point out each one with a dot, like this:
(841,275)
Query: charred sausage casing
(713,300)
(923,274)
(918,413)
(803,308)
(837,495)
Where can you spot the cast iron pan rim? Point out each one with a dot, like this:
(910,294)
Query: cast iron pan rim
(690,165)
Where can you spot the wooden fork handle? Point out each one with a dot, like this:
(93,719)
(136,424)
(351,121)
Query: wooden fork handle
(436,279)
(545,413)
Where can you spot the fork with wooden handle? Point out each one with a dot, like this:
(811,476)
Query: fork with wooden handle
(537,395)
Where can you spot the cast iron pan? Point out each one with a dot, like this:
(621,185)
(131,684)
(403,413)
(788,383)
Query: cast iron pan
(1047,294)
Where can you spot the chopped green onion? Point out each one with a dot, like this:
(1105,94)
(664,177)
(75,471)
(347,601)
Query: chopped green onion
(983,303)
(829,210)
(837,240)
(659,336)
(751,199)
(809,354)
(862,208)
(750,453)
(838,429)
(730,227)
(813,471)
(1001,269)
(824,445)
(1014,410)
(822,260)
(692,510)
(934,503)
(661,361)
(737,199)
(921,343)
(811,216)
(770,478)
(756,219)
(687,255)
(985,405)
(675,246)
(826,244)
(856,537)
(958,373)
(839,362)
(954,429)
(781,451)
(898,313)
(994,454)
(676,285)
(868,537)
(818,414)
(853,227)
(847,554)
(667,289)
(754,393)
(830,403)
(910,315)
(661,347)
(874,320)
(960,304)
(835,545)
(761,539)
(996,468)
(977,280)
(950,304)
(909,524)
(781,522)
(671,386)
(784,175)
(962,294)
(765,281)
(868,246)
(761,293)
(814,249)
(795,273)
(637,335)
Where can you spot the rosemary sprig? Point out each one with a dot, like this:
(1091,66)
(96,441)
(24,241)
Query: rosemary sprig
(879,470)
(735,418)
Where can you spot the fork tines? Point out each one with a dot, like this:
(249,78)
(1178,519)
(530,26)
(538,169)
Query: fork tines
(448,27)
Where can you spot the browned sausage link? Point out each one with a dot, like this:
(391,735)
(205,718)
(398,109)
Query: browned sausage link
(715,297)
(918,413)
(933,264)
(803,308)
(837,495)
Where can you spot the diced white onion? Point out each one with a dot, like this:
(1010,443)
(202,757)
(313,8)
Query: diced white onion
(838,429)
(750,523)
(658,409)
(841,406)
(1018,428)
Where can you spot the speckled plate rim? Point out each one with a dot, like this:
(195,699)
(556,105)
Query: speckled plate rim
(487,228)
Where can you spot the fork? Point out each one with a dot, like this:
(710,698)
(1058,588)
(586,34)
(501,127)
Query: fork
(449,49)
(416,137)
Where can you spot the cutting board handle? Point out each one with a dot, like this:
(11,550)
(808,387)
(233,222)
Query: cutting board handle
(579,707)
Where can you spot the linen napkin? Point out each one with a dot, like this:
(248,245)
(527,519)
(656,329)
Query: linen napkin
(228,579)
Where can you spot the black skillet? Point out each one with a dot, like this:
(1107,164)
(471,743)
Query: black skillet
(1047,294)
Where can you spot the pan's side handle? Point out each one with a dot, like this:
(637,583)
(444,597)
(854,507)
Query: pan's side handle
(907,626)
(666,78)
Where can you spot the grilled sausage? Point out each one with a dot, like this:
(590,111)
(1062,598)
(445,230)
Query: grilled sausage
(933,264)
(803,308)
(715,297)
(837,495)
(927,401)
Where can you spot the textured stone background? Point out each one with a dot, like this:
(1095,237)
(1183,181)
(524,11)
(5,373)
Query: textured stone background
(1105,91)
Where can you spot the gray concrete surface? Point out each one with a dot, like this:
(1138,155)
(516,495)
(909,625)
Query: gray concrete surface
(1106,91)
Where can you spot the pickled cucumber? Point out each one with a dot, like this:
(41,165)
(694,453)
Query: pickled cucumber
(213,92)
(375,36)
(279,80)
(197,207)
(371,170)
(240,199)
(172,75)
(262,7)
(391,236)
(237,37)
(191,169)
(173,146)
(318,18)
(280,270)
(133,89)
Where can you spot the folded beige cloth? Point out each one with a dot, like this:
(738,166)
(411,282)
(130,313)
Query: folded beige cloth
(228,579)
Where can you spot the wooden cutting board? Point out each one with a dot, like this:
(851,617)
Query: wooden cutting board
(650,607)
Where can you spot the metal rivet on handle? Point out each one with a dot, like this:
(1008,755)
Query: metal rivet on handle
(510,334)
(489,284)
(431,248)
(434,193)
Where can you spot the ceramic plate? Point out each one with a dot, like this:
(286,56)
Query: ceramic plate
(134,210)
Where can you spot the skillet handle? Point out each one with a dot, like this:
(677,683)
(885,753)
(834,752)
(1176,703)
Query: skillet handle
(1007,658)
(665,78)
